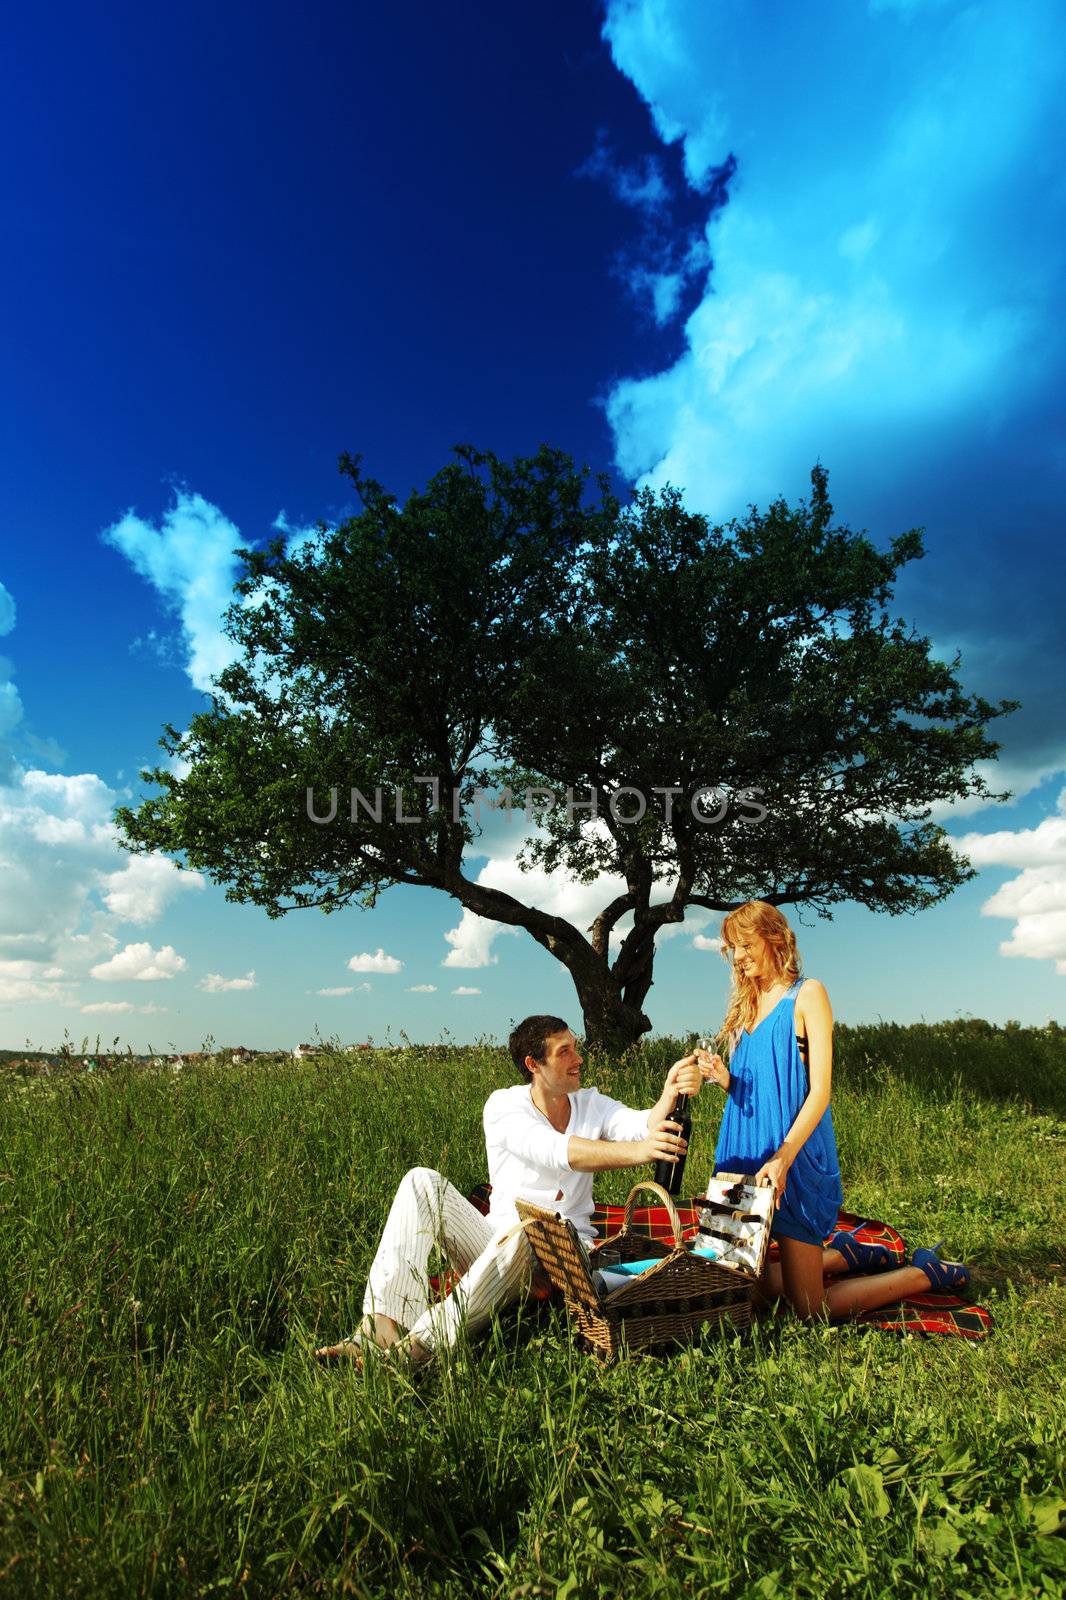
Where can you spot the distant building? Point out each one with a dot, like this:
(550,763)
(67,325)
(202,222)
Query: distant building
(303,1050)
(241,1054)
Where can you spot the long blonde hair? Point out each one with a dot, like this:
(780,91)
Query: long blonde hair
(755,916)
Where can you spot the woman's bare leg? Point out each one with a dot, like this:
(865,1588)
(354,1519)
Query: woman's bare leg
(798,1276)
(801,1277)
(849,1296)
(771,1285)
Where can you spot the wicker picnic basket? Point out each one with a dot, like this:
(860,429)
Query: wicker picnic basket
(668,1304)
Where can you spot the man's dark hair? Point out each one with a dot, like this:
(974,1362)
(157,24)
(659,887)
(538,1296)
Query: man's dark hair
(530,1038)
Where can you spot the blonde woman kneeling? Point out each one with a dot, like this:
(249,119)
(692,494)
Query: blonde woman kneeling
(777,1125)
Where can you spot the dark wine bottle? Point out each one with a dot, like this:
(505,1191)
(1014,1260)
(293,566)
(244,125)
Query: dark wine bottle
(668,1174)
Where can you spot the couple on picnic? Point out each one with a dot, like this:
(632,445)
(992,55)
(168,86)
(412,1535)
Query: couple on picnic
(546,1137)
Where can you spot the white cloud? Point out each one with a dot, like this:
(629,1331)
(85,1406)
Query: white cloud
(57,850)
(1038,891)
(852,252)
(77,950)
(53,808)
(579,903)
(28,979)
(1036,899)
(28,967)
(660,267)
(58,845)
(166,648)
(64,876)
(378,962)
(188,559)
(1017,776)
(1042,846)
(695,918)
(140,963)
(473,937)
(463,989)
(215,983)
(119,1007)
(702,942)
(140,891)
(330,994)
(422,988)
(1039,936)
(10,717)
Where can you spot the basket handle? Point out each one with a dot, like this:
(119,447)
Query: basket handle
(667,1200)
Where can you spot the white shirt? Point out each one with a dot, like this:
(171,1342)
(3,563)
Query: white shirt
(527,1156)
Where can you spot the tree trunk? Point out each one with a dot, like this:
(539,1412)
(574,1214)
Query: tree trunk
(611,1025)
(611,1003)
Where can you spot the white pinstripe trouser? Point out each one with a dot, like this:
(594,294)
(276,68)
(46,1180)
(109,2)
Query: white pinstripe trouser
(428,1211)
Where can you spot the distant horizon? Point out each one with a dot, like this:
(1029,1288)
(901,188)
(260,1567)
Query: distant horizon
(489,1040)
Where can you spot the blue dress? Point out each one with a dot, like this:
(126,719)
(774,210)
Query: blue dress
(768,1084)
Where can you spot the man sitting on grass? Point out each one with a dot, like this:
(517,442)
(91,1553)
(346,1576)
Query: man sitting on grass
(544,1138)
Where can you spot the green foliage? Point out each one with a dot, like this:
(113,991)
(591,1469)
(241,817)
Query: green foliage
(379,653)
(761,655)
(498,632)
(172,1247)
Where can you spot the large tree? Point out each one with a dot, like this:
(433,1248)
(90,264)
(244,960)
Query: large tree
(777,732)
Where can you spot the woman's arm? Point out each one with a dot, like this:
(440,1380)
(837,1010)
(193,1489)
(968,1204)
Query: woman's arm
(714,1069)
(812,1004)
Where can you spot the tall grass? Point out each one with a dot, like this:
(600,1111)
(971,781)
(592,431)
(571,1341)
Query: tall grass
(172,1246)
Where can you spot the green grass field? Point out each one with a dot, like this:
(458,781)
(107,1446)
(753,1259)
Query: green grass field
(173,1246)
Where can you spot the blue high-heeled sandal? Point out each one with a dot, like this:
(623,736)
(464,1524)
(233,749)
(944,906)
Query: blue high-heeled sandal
(861,1257)
(942,1275)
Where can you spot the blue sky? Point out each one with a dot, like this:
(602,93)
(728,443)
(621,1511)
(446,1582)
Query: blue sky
(685,240)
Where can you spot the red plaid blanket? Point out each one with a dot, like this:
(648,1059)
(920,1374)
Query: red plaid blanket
(944,1314)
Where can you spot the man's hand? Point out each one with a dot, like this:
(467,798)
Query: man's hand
(664,1143)
(684,1077)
